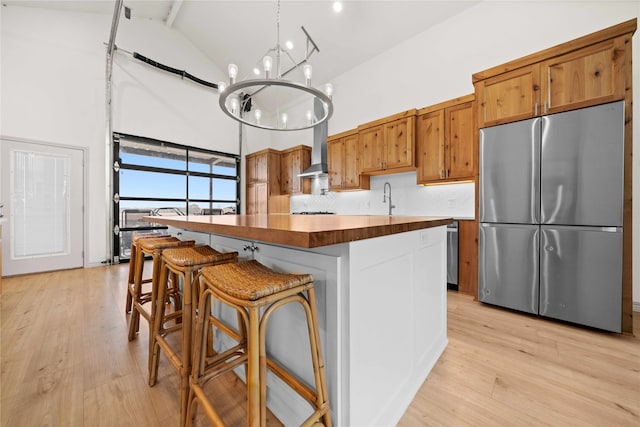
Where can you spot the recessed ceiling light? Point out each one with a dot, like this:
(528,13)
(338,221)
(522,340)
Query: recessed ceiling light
(289,44)
(337,6)
(256,71)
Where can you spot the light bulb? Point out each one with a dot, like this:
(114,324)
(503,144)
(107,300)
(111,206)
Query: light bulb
(337,6)
(267,62)
(256,71)
(284,117)
(307,69)
(328,89)
(222,86)
(235,102)
(309,117)
(257,113)
(233,72)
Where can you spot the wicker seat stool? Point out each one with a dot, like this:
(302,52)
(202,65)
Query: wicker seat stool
(256,292)
(144,301)
(184,262)
(132,264)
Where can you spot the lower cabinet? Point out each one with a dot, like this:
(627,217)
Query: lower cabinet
(468,257)
(258,198)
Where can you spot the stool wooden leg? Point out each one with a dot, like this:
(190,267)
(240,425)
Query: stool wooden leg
(157,325)
(134,321)
(316,356)
(132,266)
(253,368)
(187,331)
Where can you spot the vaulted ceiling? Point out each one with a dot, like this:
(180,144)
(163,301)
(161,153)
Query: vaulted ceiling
(242,31)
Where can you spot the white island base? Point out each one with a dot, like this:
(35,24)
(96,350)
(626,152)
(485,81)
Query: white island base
(382,315)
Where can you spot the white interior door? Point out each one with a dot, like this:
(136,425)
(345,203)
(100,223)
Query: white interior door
(42,188)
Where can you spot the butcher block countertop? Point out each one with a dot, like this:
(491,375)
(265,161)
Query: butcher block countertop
(304,231)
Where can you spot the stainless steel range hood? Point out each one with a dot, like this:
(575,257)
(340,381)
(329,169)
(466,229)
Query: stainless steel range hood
(319,148)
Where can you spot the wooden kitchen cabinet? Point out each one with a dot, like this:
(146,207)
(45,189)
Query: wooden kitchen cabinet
(590,76)
(510,96)
(584,72)
(387,145)
(468,257)
(344,164)
(445,142)
(292,162)
(262,180)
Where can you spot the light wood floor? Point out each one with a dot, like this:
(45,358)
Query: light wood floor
(66,361)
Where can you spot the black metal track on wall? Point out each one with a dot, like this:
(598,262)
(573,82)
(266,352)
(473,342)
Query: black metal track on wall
(181,73)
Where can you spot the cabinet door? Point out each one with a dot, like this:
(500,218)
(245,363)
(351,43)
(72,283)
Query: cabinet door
(286,176)
(251,199)
(261,198)
(589,76)
(250,168)
(261,169)
(399,137)
(335,156)
(351,166)
(511,96)
(430,142)
(371,148)
(459,149)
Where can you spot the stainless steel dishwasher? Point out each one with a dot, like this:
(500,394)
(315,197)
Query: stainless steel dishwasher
(452,256)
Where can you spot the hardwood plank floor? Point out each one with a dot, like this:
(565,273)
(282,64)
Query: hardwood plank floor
(66,361)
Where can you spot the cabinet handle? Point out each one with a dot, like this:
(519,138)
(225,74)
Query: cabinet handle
(536,110)
(546,107)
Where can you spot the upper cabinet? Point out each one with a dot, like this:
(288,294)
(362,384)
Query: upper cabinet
(387,145)
(593,75)
(583,72)
(344,163)
(292,162)
(511,96)
(445,141)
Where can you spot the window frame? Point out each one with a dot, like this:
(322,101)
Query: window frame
(118,229)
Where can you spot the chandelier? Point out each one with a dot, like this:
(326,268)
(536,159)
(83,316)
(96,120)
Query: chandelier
(290,104)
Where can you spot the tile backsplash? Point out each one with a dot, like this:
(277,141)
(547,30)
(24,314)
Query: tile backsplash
(453,200)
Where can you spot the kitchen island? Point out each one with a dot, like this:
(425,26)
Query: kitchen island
(381,289)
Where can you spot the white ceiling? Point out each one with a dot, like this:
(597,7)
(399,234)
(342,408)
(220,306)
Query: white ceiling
(242,31)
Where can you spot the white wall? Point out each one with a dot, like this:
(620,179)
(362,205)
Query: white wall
(53,90)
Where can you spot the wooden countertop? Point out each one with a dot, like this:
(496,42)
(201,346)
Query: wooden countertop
(304,231)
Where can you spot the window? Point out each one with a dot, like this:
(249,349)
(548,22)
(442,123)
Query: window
(154,177)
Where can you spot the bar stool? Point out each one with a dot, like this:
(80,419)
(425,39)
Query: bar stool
(252,288)
(132,264)
(184,262)
(144,302)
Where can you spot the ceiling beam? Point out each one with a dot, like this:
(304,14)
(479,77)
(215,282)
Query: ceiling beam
(173,12)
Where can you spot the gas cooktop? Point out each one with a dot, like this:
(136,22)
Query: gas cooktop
(313,213)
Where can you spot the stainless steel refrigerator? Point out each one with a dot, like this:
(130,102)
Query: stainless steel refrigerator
(550,213)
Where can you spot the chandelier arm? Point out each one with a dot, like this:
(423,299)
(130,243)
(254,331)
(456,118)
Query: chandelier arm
(304,61)
(315,46)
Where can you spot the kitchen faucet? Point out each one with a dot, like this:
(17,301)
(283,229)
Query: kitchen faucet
(385,197)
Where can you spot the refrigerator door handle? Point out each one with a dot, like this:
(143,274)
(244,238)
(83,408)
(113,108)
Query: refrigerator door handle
(534,191)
